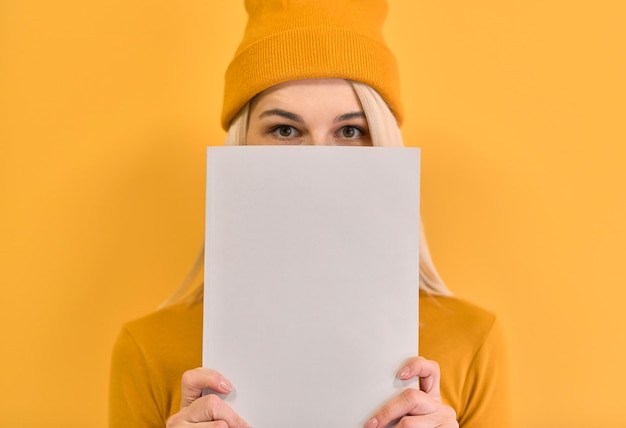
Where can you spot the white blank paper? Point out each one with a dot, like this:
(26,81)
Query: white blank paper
(311,279)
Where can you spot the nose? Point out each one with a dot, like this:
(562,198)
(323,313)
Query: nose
(320,139)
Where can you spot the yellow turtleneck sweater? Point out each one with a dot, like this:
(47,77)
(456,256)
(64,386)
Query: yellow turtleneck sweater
(152,353)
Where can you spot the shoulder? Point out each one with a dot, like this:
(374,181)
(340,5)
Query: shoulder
(171,318)
(467,342)
(454,315)
(166,332)
(453,328)
(149,357)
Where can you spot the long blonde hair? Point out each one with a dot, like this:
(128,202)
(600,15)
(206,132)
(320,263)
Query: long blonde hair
(384,132)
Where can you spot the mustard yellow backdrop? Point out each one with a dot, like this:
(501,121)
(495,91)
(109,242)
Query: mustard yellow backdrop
(107,107)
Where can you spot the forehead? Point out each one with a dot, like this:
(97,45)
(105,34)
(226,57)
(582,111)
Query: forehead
(310,93)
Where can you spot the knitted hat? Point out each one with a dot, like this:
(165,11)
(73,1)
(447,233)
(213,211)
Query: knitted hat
(311,39)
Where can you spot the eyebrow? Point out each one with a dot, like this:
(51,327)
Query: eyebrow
(297,118)
(282,113)
(351,115)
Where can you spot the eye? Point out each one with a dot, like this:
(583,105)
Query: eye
(350,132)
(284,131)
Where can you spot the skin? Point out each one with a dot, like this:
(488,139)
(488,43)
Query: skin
(323,112)
(314,112)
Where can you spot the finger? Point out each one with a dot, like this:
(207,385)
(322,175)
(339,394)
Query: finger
(213,424)
(408,402)
(194,381)
(428,372)
(445,420)
(443,417)
(209,411)
(213,408)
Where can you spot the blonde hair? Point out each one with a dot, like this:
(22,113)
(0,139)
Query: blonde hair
(384,132)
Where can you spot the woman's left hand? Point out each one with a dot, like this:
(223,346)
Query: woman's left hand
(416,408)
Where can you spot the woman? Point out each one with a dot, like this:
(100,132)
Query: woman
(315,73)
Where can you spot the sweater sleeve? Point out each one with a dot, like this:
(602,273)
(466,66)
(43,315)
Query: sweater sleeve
(486,388)
(132,401)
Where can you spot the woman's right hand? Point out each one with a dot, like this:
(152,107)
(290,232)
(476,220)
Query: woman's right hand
(209,411)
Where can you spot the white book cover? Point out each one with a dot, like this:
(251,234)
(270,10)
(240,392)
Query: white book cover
(311,279)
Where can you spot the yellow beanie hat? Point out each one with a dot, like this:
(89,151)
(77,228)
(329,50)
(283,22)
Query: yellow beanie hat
(311,39)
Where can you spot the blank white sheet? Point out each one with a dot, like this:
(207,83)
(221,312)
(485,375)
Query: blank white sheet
(311,279)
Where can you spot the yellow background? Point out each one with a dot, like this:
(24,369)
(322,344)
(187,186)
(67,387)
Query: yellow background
(106,109)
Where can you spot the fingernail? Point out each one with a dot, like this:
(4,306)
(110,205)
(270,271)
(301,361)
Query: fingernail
(372,423)
(224,384)
(404,372)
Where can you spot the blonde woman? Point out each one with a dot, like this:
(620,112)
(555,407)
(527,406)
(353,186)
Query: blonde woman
(329,81)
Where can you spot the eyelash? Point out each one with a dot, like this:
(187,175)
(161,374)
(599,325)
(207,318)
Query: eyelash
(275,131)
(360,131)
